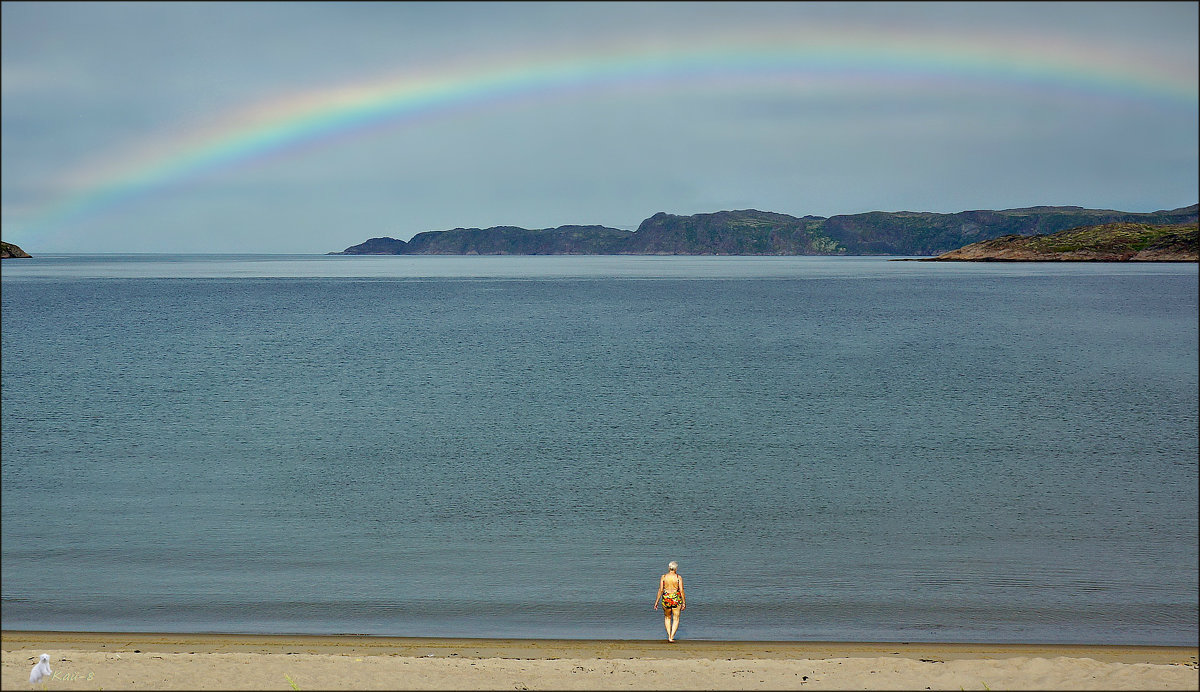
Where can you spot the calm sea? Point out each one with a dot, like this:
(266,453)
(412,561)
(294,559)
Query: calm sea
(831,448)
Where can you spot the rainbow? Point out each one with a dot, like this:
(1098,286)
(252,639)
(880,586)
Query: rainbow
(805,60)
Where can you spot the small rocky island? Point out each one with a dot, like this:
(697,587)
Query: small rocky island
(1110,242)
(8,250)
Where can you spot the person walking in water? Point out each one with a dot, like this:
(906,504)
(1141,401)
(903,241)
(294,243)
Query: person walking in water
(670,590)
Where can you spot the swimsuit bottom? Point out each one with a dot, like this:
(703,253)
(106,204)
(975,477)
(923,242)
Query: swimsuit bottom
(671,600)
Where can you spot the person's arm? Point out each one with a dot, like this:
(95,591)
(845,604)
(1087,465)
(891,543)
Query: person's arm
(682,597)
(659,594)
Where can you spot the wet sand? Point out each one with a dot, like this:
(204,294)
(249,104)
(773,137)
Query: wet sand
(110,661)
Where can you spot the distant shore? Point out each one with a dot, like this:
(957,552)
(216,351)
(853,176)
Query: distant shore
(99,660)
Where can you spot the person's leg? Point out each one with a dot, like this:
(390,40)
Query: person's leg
(667,622)
(674,624)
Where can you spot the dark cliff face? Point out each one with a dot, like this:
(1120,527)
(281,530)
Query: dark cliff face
(753,232)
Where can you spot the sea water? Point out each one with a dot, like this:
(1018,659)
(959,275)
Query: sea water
(831,448)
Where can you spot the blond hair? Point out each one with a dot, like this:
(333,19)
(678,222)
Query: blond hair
(672,565)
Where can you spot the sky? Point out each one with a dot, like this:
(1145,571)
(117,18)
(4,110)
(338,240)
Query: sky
(309,127)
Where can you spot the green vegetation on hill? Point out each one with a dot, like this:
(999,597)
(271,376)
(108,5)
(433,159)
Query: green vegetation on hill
(1104,242)
(923,233)
(1115,237)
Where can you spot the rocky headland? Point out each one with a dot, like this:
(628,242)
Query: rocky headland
(754,232)
(9,251)
(1112,242)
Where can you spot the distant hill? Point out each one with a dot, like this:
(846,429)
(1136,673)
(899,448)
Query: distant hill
(753,232)
(501,240)
(922,233)
(510,240)
(1112,242)
(8,250)
(747,232)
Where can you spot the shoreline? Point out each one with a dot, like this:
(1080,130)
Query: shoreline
(492,647)
(147,660)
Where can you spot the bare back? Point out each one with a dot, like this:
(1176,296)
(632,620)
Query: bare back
(670,590)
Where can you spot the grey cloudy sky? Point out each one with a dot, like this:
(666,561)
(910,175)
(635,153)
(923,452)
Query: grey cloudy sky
(839,108)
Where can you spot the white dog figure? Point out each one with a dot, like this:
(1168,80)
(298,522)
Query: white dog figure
(41,670)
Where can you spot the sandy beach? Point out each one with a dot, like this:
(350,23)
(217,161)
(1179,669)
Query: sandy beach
(119,661)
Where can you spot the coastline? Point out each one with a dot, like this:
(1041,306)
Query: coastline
(116,660)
